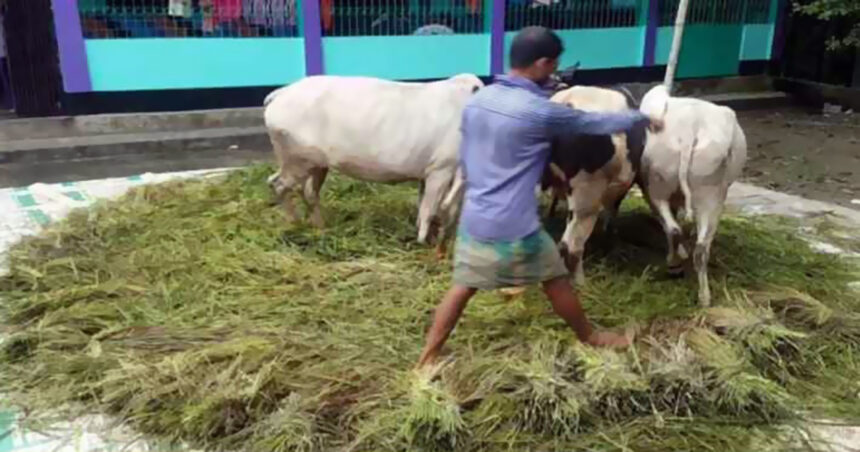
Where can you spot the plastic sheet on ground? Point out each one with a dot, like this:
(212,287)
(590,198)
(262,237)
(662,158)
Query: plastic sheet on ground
(26,210)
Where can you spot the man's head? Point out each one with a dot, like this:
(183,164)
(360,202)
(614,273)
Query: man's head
(535,52)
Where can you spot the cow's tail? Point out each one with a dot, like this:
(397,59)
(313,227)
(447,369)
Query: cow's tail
(738,143)
(455,192)
(684,178)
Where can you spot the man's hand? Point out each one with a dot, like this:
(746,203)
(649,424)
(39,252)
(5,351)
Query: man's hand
(608,339)
(655,124)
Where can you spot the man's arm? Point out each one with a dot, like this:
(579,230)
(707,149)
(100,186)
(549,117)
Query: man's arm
(562,120)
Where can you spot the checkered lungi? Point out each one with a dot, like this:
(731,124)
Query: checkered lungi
(498,264)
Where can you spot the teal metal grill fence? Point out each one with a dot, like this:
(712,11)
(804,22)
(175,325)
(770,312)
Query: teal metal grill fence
(717,11)
(123,19)
(401,17)
(112,19)
(572,14)
(229,43)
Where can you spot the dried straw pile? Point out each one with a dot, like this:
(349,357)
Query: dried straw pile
(187,311)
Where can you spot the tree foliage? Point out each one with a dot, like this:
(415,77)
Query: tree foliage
(837,10)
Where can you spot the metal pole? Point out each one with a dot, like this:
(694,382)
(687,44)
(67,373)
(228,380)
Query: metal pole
(677,37)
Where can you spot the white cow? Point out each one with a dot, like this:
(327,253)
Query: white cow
(374,130)
(692,162)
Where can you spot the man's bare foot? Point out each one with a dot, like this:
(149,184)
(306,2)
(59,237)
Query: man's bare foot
(427,359)
(609,339)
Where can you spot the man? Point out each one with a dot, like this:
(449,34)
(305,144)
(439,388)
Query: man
(507,129)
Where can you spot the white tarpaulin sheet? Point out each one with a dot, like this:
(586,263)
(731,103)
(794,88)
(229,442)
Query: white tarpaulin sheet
(25,211)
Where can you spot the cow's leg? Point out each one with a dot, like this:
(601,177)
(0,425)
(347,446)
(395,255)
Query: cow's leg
(274,182)
(676,203)
(609,214)
(708,207)
(292,174)
(312,194)
(583,210)
(674,236)
(420,197)
(436,185)
(558,186)
(575,236)
(551,212)
(659,191)
(450,208)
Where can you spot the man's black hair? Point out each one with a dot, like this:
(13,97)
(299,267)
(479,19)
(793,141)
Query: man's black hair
(532,44)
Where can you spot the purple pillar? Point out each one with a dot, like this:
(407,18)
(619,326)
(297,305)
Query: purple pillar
(648,55)
(313,37)
(779,36)
(70,43)
(497,38)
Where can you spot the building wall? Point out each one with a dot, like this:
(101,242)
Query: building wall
(107,47)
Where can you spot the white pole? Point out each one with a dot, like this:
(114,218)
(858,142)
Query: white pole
(677,37)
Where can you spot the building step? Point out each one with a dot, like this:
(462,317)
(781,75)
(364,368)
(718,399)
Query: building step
(99,146)
(751,101)
(131,123)
(24,162)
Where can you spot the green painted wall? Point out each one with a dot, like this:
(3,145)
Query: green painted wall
(706,51)
(757,41)
(597,48)
(169,63)
(664,44)
(407,57)
(92,5)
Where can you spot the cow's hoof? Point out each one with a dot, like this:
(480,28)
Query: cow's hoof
(441,251)
(675,272)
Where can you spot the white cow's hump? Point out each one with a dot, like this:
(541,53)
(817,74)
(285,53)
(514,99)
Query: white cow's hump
(592,98)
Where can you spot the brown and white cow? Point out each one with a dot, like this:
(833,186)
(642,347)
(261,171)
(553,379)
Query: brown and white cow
(593,172)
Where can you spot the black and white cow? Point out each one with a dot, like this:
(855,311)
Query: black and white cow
(593,172)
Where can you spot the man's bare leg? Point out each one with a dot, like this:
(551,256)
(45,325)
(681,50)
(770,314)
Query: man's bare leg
(566,304)
(444,320)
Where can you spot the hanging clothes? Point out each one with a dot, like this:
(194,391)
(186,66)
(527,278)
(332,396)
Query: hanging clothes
(474,6)
(226,10)
(179,8)
(327,13)
(254,12)
(208,10)
(277,14)
(270,13)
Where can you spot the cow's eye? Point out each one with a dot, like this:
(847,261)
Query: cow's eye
(475,89)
